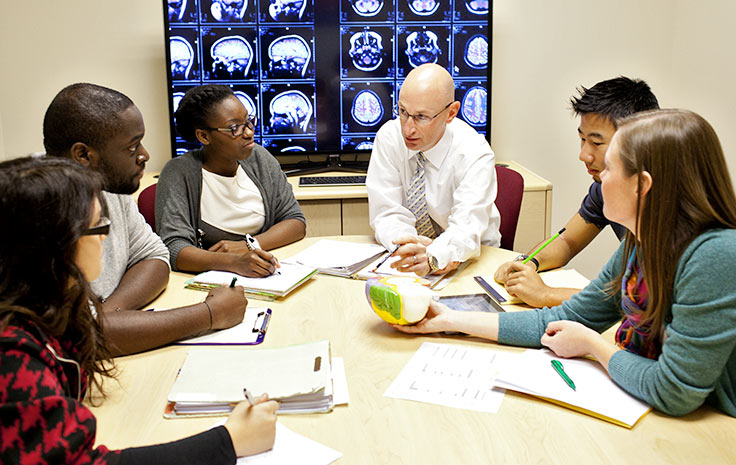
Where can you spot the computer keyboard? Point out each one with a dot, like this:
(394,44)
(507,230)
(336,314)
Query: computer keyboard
(332,181)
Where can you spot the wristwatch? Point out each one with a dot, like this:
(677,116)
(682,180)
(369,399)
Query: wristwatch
(433,266)
(524,257)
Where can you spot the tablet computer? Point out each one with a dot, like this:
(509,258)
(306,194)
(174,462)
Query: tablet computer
(472,303)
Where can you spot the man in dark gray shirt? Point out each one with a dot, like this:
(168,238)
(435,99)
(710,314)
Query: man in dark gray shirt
(599,109)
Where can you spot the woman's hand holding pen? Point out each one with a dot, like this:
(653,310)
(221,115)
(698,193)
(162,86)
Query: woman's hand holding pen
(227,305)
(254,263)
(253,428)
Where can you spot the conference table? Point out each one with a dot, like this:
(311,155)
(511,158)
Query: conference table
(373,429)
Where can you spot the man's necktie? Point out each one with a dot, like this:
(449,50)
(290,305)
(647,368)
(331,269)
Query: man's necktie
(417,201)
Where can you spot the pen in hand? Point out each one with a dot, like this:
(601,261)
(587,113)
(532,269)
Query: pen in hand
(541,247)
(232,283)
(384,259)
(248,397)
(252,244)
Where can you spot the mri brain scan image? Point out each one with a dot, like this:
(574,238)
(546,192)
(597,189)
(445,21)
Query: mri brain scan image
(367,109)
(290,56)
(182,57)
(290,112)
(477,7)
(365,145)
(248,103)
(424,7)
(422,47)
(474,104)
(367,8)
(232,58)
(176,9)
(287,10)
(476,52)
(228,10)
(366,50)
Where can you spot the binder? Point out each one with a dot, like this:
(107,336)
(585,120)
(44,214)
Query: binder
(211,381)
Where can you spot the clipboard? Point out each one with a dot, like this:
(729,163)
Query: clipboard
(498,298)
(251,331)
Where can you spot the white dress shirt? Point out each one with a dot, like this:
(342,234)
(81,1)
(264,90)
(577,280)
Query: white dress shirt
(460,187)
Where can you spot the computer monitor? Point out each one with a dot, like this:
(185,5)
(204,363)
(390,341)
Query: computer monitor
(322,76)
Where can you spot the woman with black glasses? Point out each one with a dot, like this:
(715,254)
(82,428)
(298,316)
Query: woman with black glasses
(52,346)
(222,206)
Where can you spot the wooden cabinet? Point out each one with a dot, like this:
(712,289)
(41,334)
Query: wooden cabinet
(341,210)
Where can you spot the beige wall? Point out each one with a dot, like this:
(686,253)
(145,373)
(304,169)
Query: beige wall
(542,50)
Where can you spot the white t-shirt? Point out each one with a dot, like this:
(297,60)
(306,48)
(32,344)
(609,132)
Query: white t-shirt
(233,204)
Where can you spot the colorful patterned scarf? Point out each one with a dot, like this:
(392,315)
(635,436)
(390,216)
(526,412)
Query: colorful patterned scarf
(632,335)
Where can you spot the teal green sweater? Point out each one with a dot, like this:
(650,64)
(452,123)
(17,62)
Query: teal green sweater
(698,360)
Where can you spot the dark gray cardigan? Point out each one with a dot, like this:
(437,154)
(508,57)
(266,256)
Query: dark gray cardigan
(179,191)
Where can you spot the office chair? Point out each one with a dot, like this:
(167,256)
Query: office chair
(147,205)
(508,202)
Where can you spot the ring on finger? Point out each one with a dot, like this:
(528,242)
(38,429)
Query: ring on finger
(415,259)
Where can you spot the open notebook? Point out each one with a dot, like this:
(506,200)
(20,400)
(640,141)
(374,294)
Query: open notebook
(288,277)
(595,393)
(338,258)
(211,381)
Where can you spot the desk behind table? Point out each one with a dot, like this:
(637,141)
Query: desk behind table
(374,429)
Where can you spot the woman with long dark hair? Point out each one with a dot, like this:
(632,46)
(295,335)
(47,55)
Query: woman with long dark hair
(51,343)
(670,284)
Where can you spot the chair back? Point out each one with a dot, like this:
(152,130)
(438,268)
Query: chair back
(508,201)
(147,205)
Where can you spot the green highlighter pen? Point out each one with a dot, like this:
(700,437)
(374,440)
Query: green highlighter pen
(561,371)
(541,247)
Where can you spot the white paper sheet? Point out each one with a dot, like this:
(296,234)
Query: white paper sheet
(532,373)
(290,448)
(327,253)
(451,375)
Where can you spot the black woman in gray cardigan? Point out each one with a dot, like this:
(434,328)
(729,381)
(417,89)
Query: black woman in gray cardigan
(211,201)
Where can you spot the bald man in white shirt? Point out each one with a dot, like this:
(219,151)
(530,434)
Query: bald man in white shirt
(431,179)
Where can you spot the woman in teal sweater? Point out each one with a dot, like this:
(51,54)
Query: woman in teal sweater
(670,284)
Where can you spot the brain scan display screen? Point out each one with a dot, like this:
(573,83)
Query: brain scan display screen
(322,76)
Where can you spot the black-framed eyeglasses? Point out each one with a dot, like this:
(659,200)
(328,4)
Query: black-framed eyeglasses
(420,119)
(102,228)
(238,129)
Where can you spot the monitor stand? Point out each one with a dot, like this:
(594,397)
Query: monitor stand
(332,163)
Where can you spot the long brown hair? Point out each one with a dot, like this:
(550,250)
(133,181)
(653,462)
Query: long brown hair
(45,207)
(691,193)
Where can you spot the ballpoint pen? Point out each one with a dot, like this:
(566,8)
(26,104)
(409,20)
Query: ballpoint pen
(248,397)
(384,259)
(235,280)
(561,371)
(252,244)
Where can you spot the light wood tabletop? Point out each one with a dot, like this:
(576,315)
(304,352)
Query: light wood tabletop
(374,429)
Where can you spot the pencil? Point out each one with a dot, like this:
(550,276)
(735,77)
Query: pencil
(541,247)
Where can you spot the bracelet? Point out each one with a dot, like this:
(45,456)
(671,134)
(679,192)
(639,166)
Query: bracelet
(210,312)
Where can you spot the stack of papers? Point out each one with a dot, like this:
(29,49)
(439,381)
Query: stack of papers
(338,258)
(211,382)
(595,392)
(288,277)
